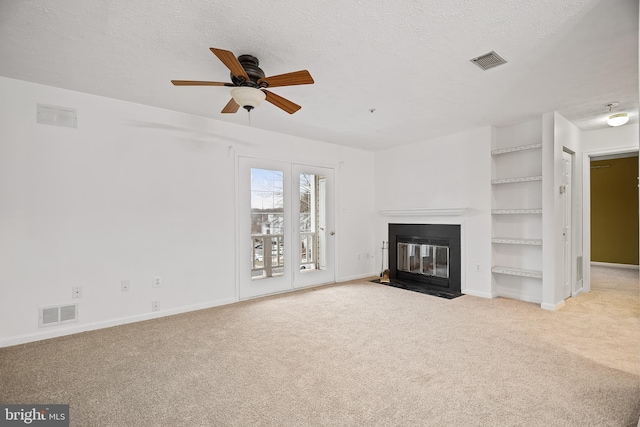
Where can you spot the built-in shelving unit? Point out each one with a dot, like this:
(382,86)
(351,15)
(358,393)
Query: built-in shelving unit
(517,211)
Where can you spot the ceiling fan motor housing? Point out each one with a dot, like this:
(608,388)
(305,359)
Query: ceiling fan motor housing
(250,64)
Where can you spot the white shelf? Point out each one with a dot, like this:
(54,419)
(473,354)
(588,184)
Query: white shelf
(512,241)
(515,211)
(424,212)
(534,274)
(518,179)
(516,149)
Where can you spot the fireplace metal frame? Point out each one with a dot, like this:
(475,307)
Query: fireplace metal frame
(435,234)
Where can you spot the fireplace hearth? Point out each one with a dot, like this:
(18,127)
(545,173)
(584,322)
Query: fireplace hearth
(425,258)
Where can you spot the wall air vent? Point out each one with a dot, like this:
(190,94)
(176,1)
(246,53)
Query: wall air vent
(59,116)
(56,315)
(488,60)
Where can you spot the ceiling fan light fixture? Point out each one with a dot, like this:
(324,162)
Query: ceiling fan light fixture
(247,97)
(617,119)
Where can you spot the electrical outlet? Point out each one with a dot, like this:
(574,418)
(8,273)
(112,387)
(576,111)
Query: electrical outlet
(125,285)
(157,281)
(76,292)
(478,267)
(155,305)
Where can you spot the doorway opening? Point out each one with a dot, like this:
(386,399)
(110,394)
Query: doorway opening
(595,222)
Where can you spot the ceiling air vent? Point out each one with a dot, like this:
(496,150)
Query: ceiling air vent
(488,60)
(59,116)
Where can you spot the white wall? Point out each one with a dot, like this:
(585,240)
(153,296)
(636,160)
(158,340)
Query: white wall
(611,139)
(443,173)
(136,192)
(565,137)
(570,137)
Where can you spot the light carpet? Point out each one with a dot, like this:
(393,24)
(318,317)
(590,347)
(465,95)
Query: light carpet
(352,354)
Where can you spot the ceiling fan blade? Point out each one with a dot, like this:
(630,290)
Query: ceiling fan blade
(231,107)
(301,77)
(282,103)
(198,83)
(230,60)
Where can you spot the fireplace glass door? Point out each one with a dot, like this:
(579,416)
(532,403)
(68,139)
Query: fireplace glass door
(425,259)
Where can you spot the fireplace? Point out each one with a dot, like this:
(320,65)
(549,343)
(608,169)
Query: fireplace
(425,257)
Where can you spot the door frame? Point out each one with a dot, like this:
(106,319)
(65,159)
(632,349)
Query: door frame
(568,243)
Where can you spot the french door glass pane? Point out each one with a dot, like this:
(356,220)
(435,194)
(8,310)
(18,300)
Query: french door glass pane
(312,222)
(267,223)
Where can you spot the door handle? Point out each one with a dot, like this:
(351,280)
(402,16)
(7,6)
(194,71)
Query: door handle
(332,233)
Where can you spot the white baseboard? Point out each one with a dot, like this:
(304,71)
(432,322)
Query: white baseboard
(552,307)
(75,329)
(611,264)
(480,294)
(357,277)
(507,293)
(578,292)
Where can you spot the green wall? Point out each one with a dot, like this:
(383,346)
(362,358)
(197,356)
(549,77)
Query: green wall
(614,211)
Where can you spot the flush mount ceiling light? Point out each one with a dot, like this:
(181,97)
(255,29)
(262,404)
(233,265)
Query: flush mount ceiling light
(247,97)
(617,119)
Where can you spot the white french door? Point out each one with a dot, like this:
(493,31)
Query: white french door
(285,226)
(264,221)
(313,216)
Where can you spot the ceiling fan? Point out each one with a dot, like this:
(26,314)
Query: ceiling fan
(249,83)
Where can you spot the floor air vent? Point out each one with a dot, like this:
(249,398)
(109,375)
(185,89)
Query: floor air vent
(579,268)
(57,315)
(488,60)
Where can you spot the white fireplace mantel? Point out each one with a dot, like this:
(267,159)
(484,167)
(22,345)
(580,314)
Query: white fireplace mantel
(424,212)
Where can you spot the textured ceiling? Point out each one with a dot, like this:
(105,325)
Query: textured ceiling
(407,60)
